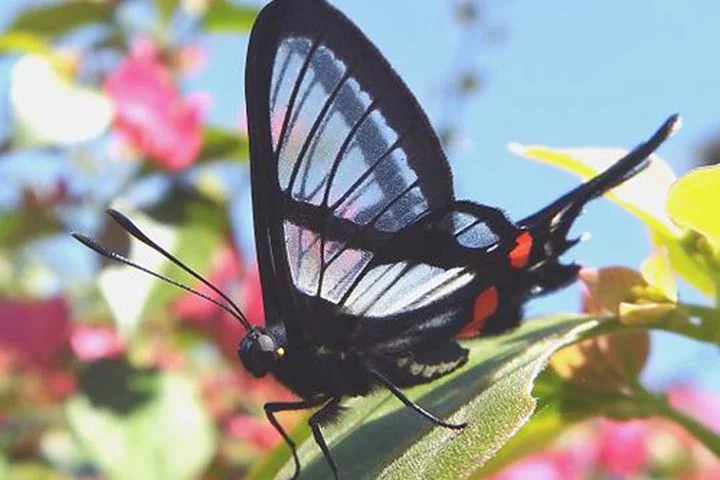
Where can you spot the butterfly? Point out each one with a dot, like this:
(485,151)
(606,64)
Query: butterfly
(371,270)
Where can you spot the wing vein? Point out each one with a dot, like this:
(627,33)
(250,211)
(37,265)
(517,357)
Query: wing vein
(293,96)
(353,187)
(288,114)
(276,90)
(362,177)
(344,147)
(364,229)
(388,287)
(331,178)
(366,174)
(315,126)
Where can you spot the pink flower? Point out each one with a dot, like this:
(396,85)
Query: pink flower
(547,466)
(623,447)
(702,405)
(61,385)
(632,449)
(150,112)
(240,284)
(257,431)
(93,343)
(36,331)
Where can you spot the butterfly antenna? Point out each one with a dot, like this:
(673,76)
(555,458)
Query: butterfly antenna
(232,308)
(133,230)
(95,246)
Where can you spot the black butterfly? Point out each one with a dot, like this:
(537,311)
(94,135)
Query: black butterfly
(370,269)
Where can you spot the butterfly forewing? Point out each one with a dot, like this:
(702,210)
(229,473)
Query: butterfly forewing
(343,159)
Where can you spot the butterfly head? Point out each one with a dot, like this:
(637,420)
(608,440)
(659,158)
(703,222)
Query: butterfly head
(259,352)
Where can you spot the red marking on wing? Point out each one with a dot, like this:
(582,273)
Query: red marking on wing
(486,304)
(520,255)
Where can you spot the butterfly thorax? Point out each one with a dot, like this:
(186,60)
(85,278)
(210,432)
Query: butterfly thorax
(310,370)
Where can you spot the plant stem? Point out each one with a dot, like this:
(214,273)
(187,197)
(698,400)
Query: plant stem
(662,408)
(708,329)
(701,311)
(706,436)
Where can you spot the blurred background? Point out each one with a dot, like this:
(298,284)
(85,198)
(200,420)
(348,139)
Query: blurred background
(139,104)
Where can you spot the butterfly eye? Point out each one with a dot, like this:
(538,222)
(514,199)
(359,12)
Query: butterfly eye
(258,353)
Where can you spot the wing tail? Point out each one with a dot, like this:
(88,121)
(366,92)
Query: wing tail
(550,226)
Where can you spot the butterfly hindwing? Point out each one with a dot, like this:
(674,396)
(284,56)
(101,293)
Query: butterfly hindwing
(418,367)
(437,267)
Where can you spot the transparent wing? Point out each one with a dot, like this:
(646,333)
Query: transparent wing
(343,161)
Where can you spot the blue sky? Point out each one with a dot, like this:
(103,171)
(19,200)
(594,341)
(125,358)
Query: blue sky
(566,74)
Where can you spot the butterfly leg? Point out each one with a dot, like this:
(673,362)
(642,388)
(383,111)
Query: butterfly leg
(271,408)
(326,412)
(409,403)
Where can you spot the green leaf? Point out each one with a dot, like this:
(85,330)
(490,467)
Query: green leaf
(166,8)
(23,42)
(26,223)
(378,438)
(544,426)
(220,143)
(683,262)
(278,457)
(693,202)
(31,470)
(60,18)
(657,272)
(561,405)
(170,436)
(225,16)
